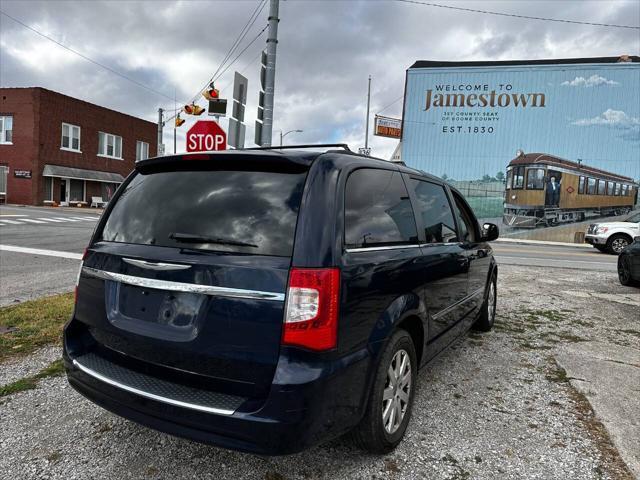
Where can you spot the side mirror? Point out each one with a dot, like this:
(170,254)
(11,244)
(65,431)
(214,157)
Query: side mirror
(490,232)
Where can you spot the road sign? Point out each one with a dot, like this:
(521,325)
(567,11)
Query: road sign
(364,151)
(387,127)
(206,135)
(236,122)
(218,107)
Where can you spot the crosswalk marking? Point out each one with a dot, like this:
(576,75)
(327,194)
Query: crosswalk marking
(45,220)
(31,220)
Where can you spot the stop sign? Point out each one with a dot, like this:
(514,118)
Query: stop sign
(206,135)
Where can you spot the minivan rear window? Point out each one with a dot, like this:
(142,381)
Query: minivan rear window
(251,212)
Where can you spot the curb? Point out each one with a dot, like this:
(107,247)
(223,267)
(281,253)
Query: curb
(542,242)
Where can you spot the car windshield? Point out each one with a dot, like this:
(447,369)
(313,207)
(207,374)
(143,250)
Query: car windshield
(231,211)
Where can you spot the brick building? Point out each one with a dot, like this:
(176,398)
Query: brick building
(58,149)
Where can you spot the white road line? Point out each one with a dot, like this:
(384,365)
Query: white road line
(2,224)
(66,219)
(49,219)
(31,220)
(38,251)
(11,222)
(11,215)
(85,219)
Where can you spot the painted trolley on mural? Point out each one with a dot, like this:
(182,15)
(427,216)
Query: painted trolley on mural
(544,190)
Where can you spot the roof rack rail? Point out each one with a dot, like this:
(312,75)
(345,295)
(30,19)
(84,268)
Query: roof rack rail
(289,147)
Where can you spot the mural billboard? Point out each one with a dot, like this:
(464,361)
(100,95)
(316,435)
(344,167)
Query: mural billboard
(531,144)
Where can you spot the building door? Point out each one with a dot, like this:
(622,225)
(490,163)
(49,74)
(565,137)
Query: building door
(63,189)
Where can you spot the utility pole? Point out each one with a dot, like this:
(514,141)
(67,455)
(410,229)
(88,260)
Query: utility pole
(270,74)
(160,125)
(366,131)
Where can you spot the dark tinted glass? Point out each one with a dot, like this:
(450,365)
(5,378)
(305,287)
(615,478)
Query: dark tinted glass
(465,222)
(257,208)
(377,209)
(581,185)
(591,186)
(601,187)
(437,217)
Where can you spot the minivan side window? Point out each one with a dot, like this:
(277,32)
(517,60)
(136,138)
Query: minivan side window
(465,222)
(433,206)
(377,210)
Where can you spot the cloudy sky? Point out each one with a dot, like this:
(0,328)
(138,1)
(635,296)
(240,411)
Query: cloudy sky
(326,51)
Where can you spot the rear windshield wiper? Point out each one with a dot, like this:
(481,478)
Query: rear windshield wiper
(192,238)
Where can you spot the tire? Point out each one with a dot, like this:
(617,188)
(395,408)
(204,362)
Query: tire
(374,434)
(617,242)
(487,315)
(624,272)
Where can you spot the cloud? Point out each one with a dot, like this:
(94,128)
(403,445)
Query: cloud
(610,117)
(592,81)
(326,50)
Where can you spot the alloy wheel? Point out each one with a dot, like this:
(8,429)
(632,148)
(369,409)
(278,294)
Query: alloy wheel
(491,301)
(397,390)
(618,244)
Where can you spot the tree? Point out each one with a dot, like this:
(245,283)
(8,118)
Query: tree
(444,176)
(500,176)
(486,178)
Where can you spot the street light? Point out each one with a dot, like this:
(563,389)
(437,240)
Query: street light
(285,134)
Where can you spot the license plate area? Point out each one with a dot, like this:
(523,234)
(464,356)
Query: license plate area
(161,314)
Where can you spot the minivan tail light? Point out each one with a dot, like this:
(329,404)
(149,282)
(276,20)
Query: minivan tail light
(311,314)
(75,292)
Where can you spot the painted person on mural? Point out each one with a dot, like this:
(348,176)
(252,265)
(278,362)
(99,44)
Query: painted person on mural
(552,194)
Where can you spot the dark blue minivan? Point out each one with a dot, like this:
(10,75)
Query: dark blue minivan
(267,300)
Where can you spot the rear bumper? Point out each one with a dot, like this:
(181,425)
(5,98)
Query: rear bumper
(310,409)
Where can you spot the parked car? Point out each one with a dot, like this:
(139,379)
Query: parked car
(269,300)
(613,237)
(629,264)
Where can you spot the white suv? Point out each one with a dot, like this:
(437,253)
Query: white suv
(614,236)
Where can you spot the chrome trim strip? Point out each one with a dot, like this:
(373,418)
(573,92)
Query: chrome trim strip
(155,265)
(386,247)
(183,287)
(153,396)
(446,310)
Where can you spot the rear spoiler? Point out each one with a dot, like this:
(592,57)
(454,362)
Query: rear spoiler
(238,159)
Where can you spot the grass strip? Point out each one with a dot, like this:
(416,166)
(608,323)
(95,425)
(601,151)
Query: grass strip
(37,323)
(54,369)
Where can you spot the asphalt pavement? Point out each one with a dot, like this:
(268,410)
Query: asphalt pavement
(26,274)
(40,248)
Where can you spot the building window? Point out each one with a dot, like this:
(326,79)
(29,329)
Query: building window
(109,145)
(581,185)
(535,179)
(70,137)
(591,186)
(48,189)
(6,129)
(76,191)
(107,190)
(142,150)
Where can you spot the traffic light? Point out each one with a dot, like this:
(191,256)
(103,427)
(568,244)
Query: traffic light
(179,121)
(211,93)
(193,109)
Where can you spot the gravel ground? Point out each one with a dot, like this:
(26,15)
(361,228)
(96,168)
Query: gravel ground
(495,405)
(17,368)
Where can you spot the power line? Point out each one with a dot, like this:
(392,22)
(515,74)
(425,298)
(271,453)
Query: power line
(501,14)
(392,103)
(227,67)
(243,33)
(115,72)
